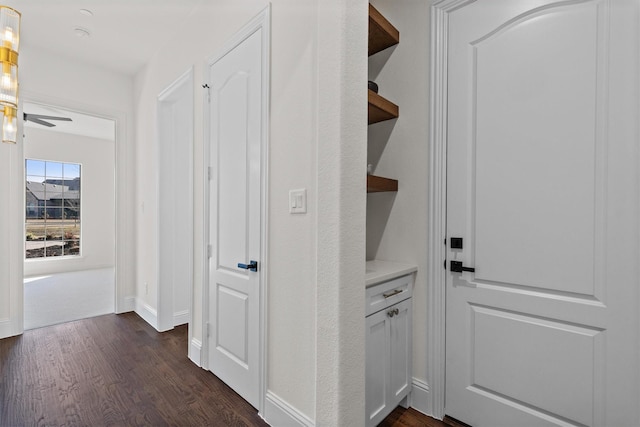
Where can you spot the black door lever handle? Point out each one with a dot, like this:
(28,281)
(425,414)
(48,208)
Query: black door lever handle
(457,267)
(252,266)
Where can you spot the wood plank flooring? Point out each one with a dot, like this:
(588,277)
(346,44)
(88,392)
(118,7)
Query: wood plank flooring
(116,370)
(109,371)
(401,417)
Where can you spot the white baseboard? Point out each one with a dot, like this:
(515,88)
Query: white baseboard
(195,351)
(148,313)
(181,317)
(279,413)
(420,397)
(8,329)
(128,304)
(5,328)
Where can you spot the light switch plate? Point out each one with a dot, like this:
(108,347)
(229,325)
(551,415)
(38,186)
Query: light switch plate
(298,201)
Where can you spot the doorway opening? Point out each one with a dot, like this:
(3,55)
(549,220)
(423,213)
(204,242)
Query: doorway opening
(70,217)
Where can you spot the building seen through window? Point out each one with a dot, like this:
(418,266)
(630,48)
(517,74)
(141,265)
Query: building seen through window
(52,213)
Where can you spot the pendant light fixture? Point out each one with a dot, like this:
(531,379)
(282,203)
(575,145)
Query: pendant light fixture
(9,45)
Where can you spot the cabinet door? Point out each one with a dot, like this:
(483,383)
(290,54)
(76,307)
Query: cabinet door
(401,352)
(378,355)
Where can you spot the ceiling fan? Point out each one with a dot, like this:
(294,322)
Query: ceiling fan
(41,119)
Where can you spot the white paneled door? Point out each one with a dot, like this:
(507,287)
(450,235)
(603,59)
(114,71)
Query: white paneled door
(237,139)
(543,196)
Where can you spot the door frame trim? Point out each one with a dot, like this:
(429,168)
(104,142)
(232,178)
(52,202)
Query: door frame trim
(262,21)
(437,196)
(180,87)
(124,219)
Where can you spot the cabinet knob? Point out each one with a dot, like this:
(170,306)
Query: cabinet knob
(393,312)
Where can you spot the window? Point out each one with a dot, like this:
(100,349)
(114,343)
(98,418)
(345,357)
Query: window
(52,213)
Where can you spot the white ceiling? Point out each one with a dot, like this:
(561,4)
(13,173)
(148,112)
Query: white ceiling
(124,34)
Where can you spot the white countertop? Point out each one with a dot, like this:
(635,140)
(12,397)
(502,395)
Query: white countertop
(381,271)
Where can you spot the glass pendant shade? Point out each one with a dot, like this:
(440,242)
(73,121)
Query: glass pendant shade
(9,28)
(9,84)
(10,125)
(9,44)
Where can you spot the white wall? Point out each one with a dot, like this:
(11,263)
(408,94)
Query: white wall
(342,152)
(317,129)
(317,141)
(97,157)
(54,80)
(11,237)
(51,79)
(397,222)
(208,29)
(291,291)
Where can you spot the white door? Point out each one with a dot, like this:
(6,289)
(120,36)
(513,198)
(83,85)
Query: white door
(377,366)
(388,363)
(236,114)
(175,202)
(542,186)
(400,348)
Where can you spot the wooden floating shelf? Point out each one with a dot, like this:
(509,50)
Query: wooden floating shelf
(381,109)
(381,33)
(378,184)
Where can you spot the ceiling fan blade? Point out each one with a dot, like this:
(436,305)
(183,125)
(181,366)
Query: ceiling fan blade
(29,116)
(40,122)
(38,118)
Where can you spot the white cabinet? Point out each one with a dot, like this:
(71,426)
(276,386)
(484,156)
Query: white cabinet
(388,349)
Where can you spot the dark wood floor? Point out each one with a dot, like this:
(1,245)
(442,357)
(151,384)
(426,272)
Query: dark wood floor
(401,417)
(110,371)
(117,370)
